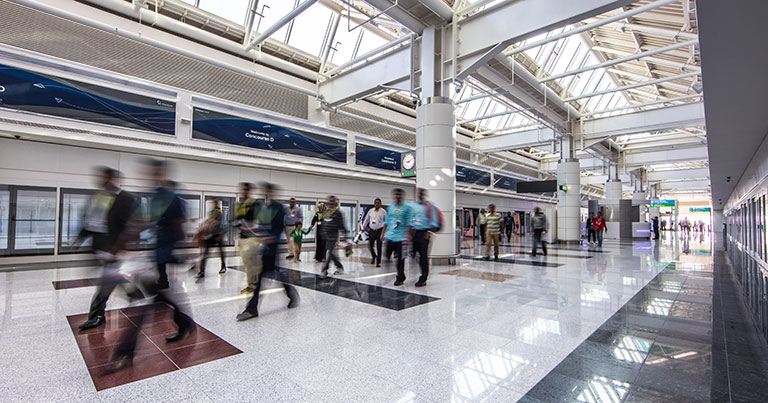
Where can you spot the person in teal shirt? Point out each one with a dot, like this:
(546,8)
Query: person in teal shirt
(426,219)
(397,228)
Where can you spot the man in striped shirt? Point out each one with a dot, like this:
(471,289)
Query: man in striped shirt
(492,232)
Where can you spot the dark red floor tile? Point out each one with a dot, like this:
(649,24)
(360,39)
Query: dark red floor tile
(200,336)
(114,320)
(152,313)
(142,368)
(200,353)
(95,357)
(78,283)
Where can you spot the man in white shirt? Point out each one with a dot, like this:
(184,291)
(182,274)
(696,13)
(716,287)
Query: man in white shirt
(374,222)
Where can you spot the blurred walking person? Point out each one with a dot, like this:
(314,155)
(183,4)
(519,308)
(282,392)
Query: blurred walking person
(493,232)
(599,225)
(106,218)
(249,245)
(539,228)
(167,216)
(426,219)
(398,228)
(374,222)
(293,217)
(270,219)
(591,235)
(212,234)
(333,224)
(509,225)
(317,221)
(482,221)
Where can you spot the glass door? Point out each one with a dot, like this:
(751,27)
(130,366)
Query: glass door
(5,219)
(33,220)
(227,206)
(71,215)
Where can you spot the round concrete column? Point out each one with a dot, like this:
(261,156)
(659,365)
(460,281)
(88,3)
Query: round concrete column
(568,201)
(436,167)
(639,196)
(613,190)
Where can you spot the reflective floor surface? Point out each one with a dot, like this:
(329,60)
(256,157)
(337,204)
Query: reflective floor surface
(581,324)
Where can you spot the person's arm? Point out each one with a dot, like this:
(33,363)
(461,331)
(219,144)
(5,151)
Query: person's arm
(367,219)
(341,225)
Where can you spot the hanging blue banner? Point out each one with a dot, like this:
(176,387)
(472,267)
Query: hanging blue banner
(504,182)
(473,176)
(377,157)
(229,129)
(56,96)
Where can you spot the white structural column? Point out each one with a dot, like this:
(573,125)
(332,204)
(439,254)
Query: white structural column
(568,201)
(436,166)
(613,190)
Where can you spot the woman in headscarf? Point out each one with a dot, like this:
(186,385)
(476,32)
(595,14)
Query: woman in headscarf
(319,241)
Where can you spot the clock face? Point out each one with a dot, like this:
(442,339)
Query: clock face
(409,161)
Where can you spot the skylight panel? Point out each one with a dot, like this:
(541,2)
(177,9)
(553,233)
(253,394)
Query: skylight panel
(309,29)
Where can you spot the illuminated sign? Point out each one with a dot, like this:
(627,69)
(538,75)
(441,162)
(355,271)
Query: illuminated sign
(662,203)
(700,209)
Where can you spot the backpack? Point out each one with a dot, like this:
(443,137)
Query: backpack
(440,218)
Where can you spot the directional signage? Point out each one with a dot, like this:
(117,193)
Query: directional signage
(377,157)
(700,209)
(662,203)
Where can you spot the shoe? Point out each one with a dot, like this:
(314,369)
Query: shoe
(294,302)
(289,257)
(246,315)
(298,260)
(421,284)
(398,282)
(135,294)
(181,334)
(373,261)
(163,286)
(200,274)
(118,362)
(487,258)
(247,290)
(94,322)
(533,255)
(338,272)
(323,275)
(496,258)
(222,270)
(378,264)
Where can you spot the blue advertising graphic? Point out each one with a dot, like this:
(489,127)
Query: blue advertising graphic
(56,96)
(469,175)
(504,182)
(224,128)
(377,157)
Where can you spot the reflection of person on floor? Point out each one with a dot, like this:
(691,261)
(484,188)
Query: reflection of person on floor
(333,224)
(539,228)
(167,215)
(270,217)
(319,241)
(397,229)
(107,215)
(492,228)
(374,222)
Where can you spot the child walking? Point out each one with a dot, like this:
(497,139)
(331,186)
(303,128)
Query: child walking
(297,234)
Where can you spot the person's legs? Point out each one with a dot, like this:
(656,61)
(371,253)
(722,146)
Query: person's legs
(371,241)
(496,245)
(397,249)
(319,246)
(488,246)
(162,280)
(378,249)
(220,243)
(297,251)
(536,240)
(249,251)
(543,244)
(335,257)
(204,256)
(482,233)
(599,238)
(289,241)
(421,243)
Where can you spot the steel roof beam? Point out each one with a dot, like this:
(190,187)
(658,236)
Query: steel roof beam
(280,23)
(642,105)
(590,26)
(631,86)
(678,174)
(673,117)
(399,15)
(687,185)
(512,141)
(622,60)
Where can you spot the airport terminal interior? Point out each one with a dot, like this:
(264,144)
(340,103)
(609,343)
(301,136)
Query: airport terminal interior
(383,201)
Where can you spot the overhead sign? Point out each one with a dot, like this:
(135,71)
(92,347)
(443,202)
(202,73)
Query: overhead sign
(537,187)
(473,176)
(408,164)
(56,96)
(700,209)
(377,157)
(229,129)
(662,203)
(504,182)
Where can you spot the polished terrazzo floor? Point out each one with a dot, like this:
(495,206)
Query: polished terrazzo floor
(464,337)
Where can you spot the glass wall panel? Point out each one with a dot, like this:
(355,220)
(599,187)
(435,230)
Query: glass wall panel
(227,205)
(34,220)
(349,212)
(73,205)
(5,218)
(192,224)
